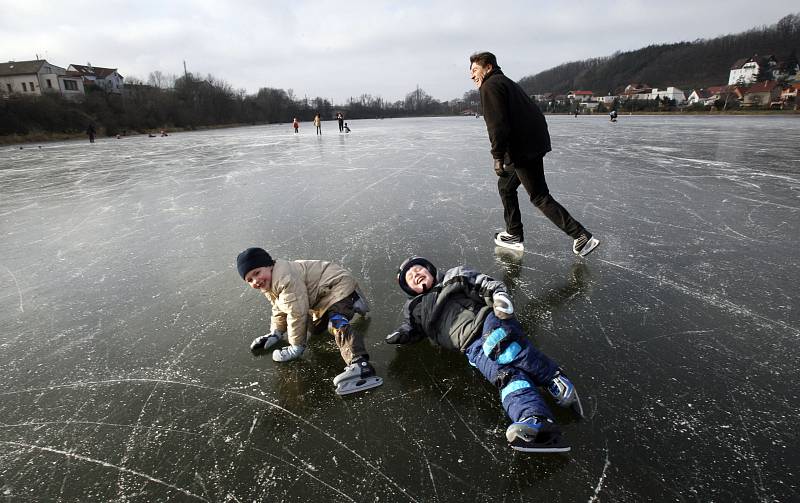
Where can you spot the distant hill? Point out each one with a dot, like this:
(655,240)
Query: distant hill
(686,65)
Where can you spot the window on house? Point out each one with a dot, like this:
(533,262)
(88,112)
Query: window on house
(24,87)
(32,88)
(70,85)
(49,84)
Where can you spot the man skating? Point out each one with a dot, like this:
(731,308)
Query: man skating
(520,139)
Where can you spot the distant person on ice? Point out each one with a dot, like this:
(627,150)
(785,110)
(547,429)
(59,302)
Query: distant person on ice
(613,116)
(471,312)
(318,124)
(340,118)
(346,128)
(91,131)
(308,296)
(296,125)
(519,137)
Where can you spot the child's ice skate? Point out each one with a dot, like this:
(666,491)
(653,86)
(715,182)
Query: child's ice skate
(358,376)
(510,241)
(536,434)
(565,393)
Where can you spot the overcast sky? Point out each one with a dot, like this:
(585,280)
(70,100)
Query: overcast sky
(346,48)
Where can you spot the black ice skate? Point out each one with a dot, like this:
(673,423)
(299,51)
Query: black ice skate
(536,434)
(358,376)
(584,244)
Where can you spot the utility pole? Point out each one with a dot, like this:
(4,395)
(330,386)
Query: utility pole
(185,73)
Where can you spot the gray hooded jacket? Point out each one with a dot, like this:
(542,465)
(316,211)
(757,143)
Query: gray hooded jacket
(452,312)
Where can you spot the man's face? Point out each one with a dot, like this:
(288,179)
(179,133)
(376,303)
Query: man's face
(259,278)
(478,72)
(419,279)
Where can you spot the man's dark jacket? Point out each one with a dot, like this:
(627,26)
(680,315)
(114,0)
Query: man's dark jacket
(514,122)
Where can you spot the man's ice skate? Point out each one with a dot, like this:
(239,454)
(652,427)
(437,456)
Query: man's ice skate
(357,376)
(510,241)
(584,244)
(565,393)
(536,434)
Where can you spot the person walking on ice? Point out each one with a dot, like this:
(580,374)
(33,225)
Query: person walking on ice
(296,125)
(520,139)
(310,296)
(472,312)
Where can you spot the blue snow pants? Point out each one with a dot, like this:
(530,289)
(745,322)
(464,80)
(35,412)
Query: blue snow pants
(507,359)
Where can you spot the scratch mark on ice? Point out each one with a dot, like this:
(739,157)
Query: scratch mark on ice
(21,309)
(599,486)
(375,468)
(72,455)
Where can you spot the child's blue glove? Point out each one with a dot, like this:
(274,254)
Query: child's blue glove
(502,306)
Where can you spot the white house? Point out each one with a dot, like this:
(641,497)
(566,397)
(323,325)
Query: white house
(37,77)
(746,70)
(606,100)
(672,93)
(106,78)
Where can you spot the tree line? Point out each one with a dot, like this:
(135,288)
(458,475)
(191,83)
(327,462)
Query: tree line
(685,65)
(190,102)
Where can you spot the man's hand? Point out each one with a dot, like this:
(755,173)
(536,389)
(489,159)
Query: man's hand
(394,338)
(498,168)
(502,306)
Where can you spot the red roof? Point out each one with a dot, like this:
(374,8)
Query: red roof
(718,89)
(94,70)
(584,93)
(761,87)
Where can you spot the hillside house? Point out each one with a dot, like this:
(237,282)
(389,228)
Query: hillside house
(672,93)
(37,77)
(107,79)
(636,91)
(745,71)
(760,94)
(701,96)
(789,93)
(580,96)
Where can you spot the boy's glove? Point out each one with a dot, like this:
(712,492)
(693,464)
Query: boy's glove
(267,341)
(502,306)
(288,353)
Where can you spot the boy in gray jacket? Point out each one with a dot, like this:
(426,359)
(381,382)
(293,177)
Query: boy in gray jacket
(472,312)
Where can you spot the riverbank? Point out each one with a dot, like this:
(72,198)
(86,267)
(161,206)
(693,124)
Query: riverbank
(44,137)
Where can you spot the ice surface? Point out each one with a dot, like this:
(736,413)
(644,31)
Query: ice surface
(125,372)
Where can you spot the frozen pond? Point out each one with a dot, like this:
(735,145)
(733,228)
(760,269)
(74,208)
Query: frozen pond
(125,372)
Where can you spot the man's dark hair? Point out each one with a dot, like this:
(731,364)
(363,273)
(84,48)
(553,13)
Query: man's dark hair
(483,59)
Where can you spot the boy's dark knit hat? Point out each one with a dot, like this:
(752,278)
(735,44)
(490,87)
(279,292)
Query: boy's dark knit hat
(252,258)
(408,264)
